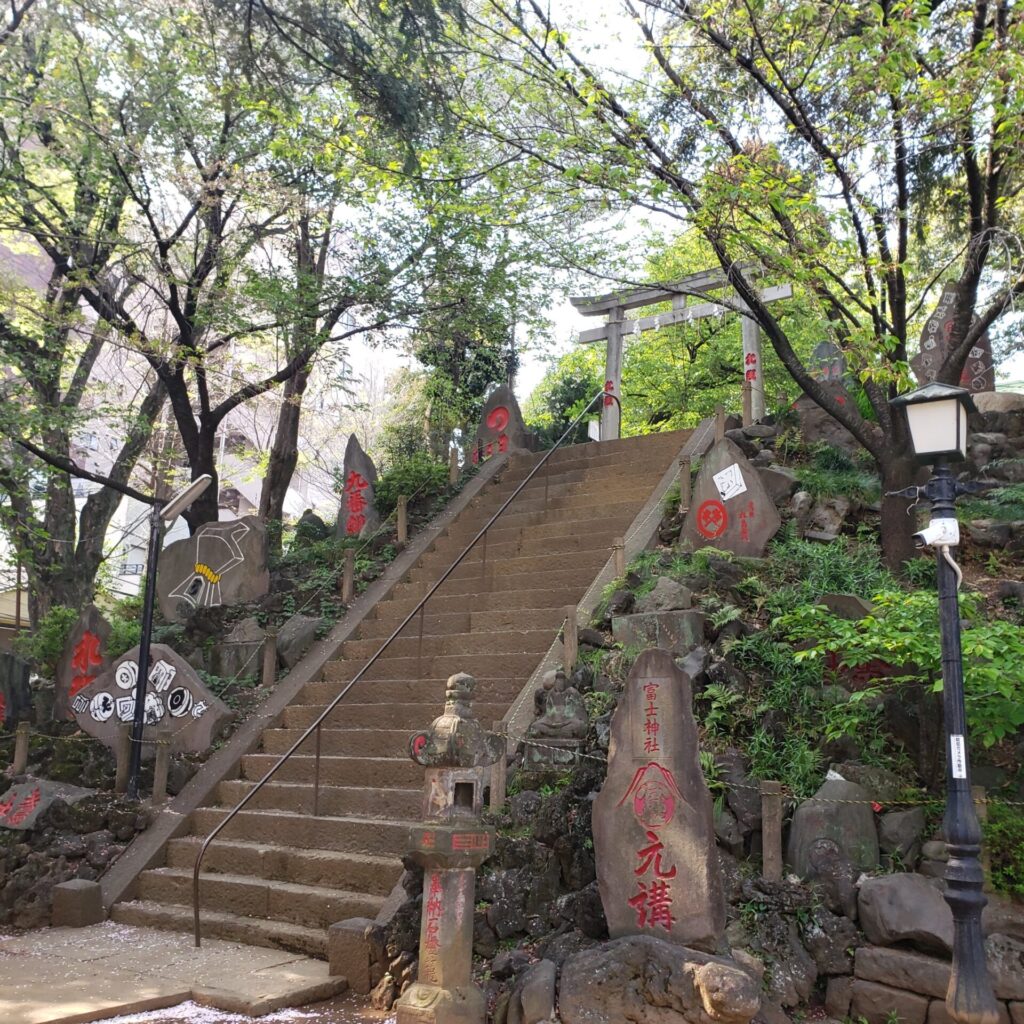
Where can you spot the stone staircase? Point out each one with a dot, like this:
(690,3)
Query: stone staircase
(277,876)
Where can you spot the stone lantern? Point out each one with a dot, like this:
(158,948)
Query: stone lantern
(450,844)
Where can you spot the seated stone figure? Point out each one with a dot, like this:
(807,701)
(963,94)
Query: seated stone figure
(561,721)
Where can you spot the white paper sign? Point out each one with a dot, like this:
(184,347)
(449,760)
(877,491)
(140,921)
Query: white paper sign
(730,482)
(957,757)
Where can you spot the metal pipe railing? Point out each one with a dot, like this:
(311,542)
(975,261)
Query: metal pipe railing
(603,396)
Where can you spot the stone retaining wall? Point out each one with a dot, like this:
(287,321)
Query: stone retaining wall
(913,986)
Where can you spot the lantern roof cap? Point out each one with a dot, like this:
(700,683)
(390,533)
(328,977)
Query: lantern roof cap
(935,391)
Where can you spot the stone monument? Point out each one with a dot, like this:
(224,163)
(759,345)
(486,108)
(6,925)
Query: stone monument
(450,845)
(84,658)
(730,508)
(175,695)
(501,426)
(357,514)
(221,563)
(654,837)
(24,802)
(561,723)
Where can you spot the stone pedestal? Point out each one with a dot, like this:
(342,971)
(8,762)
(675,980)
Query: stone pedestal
(543,753)
(450,845)
(77,903)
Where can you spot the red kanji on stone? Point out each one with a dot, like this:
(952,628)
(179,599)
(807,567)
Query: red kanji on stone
(25,808)
(652,905)
(751,359)
(650,857)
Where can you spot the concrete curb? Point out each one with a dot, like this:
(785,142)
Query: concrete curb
(147,850)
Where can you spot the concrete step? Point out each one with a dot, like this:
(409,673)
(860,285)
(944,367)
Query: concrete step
(502,641)
(497,574)
(523,545)
(387,667)
(309,905)
(384,716)
(584,526)
(334,868)
(336,770)
(556,512)
(402,691)
(343,742)
(497,582)
(218,925)
(337,801)
(492,601)
(465,622)
(376,836)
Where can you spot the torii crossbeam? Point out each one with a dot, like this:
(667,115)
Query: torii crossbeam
(616,327)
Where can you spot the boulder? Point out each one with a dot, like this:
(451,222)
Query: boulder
(800,505)
(847,606)
(743,795)
(905,908)
(667,596)
(650,981)
(295,637)
(988,533)
(533,998)
(829,515)
(679,632)
(779,482)
(831,940)
(23,803)
(839,813)
(998,401)
(220,564)
(501,426)
(357,513)
(85,657)
(899,834)
(878,1004)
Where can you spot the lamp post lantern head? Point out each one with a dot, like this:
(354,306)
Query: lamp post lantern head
(937,417)
(181,501)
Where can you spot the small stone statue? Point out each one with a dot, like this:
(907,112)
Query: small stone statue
(561,722)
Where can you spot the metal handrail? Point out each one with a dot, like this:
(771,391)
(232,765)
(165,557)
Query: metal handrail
(417,610)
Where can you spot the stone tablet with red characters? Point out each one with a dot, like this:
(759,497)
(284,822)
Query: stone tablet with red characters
(501,427)
(84,658)
(654,836)
(24,802)
(730,508)
(357,514)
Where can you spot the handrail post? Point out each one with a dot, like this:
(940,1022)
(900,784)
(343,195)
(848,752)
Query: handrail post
(570,640)
(419,644)
(453,467)
(619,554)
(685,484)
(21,748)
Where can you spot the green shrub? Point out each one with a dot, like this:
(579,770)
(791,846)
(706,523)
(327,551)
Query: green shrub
(904,631)
(1004,840)
(419,477)
(44,647)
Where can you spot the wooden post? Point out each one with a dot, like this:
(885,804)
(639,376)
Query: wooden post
(981,810)
(453,467)
(719,423)
(748,416)
(21,737)
(17,601)
(685,484)
(123,756)
(161,765)
(348,576)
(403,519)
(771,831)
(268,676)
(619,552)
(499,773)
(570,641)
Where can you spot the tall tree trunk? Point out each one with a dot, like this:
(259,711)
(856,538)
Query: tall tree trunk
(897,527)
(284,456)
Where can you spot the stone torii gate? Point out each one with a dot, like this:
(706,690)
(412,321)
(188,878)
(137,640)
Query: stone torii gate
(616,327)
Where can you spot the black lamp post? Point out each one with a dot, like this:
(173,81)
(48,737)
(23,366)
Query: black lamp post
(160,514)
(937,416)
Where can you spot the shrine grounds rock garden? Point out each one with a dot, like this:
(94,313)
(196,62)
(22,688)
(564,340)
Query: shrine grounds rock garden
(793,681)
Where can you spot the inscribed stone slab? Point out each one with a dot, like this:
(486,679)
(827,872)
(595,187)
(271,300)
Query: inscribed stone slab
(85,657)
(357,514)
(730,509)
(22,804)
(188,715)
(501,426)
(221,563)
(654,838)
(978,373)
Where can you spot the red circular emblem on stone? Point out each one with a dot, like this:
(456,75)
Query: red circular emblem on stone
(712,519)
(498,418)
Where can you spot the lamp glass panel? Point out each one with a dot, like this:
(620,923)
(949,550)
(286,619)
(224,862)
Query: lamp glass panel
(934,426)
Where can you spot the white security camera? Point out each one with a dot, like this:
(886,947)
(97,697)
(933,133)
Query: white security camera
(939,533)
